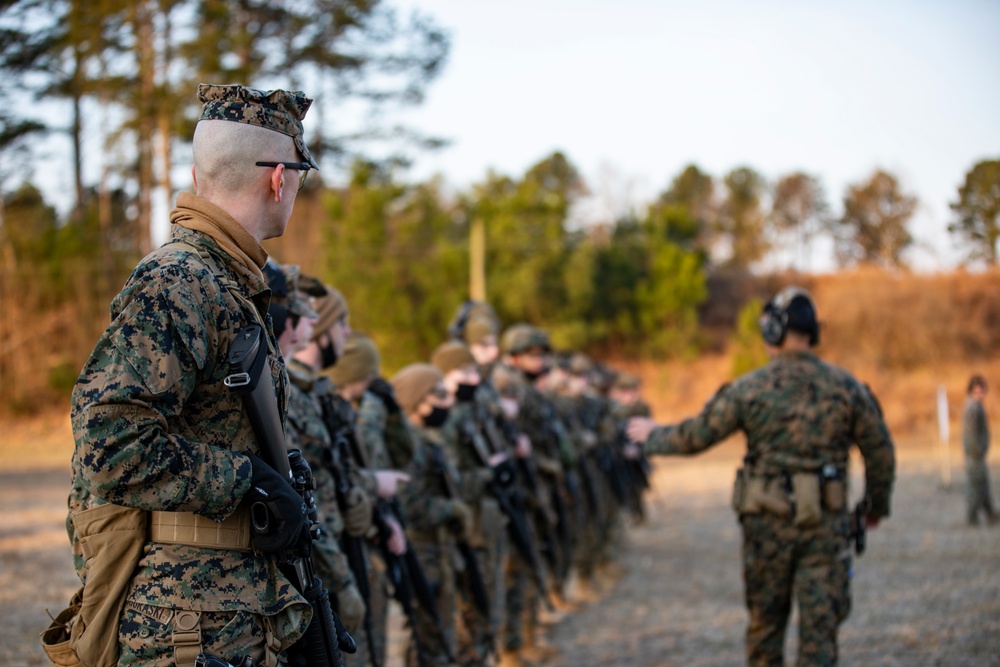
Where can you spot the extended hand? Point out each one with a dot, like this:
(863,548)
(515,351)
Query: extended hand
(388,481)
(639,428)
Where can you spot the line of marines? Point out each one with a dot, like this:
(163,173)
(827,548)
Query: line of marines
(475,488)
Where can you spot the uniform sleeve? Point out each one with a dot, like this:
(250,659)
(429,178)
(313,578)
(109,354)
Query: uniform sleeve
(130,398)
(873,440)
(424,506)
(719,418)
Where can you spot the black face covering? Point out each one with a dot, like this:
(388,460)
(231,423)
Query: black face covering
(328,354)
(534,376)
(436,418)
(466,392)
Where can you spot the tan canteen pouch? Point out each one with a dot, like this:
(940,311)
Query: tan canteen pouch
(808,504)
(762,495)
(111,539)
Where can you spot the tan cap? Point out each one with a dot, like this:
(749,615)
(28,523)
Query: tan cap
(451,355)
(413,383)
(508,381)
(329,308)
(360,361)
(627,381)
(479,328)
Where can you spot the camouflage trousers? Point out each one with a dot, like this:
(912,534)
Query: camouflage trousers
(977,492)
(431,645)
(378,612)
(477,632)
(146,636)
(522,600)
(813,565)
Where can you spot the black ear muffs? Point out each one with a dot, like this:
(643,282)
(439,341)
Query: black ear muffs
(773,324)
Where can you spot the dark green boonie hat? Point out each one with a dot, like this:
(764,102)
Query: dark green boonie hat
(278,110)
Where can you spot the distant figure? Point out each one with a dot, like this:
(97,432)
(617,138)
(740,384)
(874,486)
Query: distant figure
(976,441)
(800,417)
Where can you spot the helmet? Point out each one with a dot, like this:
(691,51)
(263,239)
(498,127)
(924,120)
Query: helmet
(520,337)
(791,308)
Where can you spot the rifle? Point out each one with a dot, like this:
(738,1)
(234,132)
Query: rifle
(326,636)
(480,598)
(407,576)
(504,477)
(209,660)
(338,462)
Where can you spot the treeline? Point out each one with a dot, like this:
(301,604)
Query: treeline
(663,281)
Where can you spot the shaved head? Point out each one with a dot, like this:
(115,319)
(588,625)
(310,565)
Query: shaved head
(225,153)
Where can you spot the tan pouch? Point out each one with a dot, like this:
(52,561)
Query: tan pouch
(56,638)
(753,494)
(739,492)
(808,510)
(775,499)
(834,495)
(111,539)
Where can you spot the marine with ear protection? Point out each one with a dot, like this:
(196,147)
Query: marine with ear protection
(791,308)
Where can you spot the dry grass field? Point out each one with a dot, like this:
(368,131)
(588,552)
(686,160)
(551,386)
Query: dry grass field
(926,593)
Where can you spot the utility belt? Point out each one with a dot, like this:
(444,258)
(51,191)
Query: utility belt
(194,530)
(801,496)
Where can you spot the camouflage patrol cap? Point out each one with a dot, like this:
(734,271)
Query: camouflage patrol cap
(521,337)
(298,301)
(278,110)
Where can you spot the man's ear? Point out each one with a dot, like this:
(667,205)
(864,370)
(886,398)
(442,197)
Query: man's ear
(278,182)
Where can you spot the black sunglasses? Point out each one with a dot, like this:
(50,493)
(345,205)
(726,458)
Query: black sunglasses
(304,167)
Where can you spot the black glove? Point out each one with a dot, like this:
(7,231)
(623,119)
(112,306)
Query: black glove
(277,511)
(381,388)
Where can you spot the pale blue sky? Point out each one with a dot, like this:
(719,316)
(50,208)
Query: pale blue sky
(634,90)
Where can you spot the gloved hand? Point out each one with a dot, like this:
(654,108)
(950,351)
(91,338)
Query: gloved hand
(460,519)
(358,513)
(351,608)
(277,511)
(381,388)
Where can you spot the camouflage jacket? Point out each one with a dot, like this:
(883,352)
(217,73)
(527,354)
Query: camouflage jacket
(975,430)
(156,428)
(798,414)
(550,443)
(306,431)
(429,496)
(385,438)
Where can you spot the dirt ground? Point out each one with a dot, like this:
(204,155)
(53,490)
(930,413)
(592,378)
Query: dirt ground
(926,593)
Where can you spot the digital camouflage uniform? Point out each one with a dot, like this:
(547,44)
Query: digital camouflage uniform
(156,429)
(385,437)
(799,415)
(551,450)
(469,452)
(429,510)
(307,432)
(976,443)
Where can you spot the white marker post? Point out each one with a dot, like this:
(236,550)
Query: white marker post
(944,433)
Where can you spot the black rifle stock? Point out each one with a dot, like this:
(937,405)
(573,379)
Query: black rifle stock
(480,598)
(407,576)
(338,425)
(325,637)
(518,528)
